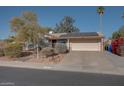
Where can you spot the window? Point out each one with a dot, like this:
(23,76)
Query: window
(62,41)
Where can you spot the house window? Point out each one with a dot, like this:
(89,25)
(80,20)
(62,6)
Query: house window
(62,41)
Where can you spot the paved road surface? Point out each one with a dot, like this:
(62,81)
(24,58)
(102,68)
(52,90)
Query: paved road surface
(21,76)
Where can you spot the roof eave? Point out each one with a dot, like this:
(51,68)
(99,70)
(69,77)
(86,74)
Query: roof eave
(85,37)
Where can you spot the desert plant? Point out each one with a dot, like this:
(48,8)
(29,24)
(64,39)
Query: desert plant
(48,51)
(25,53)
(13,50)
(60,48)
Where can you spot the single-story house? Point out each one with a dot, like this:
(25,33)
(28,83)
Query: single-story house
(81,41)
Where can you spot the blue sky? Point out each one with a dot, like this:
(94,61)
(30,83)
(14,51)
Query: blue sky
(87,20)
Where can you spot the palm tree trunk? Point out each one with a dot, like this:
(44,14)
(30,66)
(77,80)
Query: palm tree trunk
(101,30)
(101,24)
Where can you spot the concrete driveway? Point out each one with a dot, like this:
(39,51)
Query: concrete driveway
(101,62)
(89,62)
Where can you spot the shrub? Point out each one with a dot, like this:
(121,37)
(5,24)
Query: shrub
(48,51)
(1,52)
(43,43)
(60,48)
(13,50)
(25,53)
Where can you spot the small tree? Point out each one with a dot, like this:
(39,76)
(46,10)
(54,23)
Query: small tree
(27,29)
(115,35)
(119,33)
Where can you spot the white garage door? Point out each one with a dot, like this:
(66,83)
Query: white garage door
(85,45)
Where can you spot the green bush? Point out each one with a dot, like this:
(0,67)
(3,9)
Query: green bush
(60,48)
(13,50)
(48,51)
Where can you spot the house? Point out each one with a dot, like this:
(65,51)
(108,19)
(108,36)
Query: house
(81,41)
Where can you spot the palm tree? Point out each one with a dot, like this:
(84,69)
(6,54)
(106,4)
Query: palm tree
(100,11)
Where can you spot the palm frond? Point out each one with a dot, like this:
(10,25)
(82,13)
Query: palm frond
(100,10)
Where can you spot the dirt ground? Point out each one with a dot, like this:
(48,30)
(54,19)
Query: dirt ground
(32,58)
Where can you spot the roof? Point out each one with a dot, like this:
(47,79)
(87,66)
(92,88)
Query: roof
(54,35)
(76,35)
(82,34)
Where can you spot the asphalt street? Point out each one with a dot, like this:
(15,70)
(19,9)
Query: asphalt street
(33,77)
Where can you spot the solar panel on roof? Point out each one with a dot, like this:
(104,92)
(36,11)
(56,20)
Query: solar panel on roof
(80,34)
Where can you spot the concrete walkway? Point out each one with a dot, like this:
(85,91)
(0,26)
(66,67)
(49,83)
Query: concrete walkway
(93,62)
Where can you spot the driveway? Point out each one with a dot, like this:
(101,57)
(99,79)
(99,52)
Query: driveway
(88,62)
(101,62)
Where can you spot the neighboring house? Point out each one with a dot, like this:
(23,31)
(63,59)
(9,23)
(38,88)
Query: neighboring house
(81,41)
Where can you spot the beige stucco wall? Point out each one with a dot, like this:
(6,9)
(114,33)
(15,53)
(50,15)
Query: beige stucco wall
(85,44)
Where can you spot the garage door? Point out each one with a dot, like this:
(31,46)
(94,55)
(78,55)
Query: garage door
(85,45)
